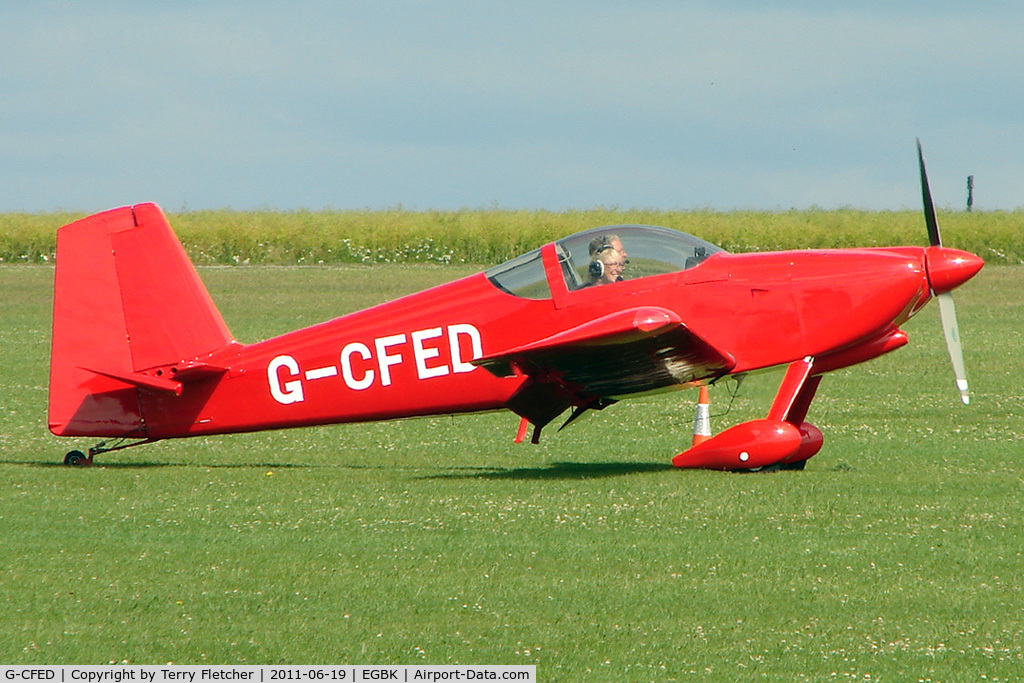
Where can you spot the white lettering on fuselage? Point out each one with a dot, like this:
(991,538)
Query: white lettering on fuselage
(284,392)
(362,366)
(347,373)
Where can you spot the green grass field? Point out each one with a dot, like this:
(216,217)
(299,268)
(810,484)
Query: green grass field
(895,556)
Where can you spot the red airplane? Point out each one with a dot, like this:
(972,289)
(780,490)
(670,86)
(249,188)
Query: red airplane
(140,352)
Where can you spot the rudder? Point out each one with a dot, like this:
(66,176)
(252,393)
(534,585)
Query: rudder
(129,309)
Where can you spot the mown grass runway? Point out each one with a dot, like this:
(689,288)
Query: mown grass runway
(896,555)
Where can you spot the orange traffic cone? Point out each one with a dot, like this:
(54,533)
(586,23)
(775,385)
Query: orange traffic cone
(702,421)
(521,434)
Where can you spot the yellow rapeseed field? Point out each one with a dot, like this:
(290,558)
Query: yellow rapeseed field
(488,236)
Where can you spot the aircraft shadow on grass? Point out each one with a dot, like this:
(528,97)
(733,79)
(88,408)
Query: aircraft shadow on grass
(146,465)
(562,470)
(106,465)
(556,471)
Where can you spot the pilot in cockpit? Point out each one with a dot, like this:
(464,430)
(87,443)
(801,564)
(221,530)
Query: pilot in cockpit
(607,260)
(602,242)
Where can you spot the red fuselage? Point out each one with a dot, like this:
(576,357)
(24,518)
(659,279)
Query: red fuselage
(413,356)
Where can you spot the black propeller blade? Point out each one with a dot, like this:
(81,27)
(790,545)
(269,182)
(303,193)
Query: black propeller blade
(929,206)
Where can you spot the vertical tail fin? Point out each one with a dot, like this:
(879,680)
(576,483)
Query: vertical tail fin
(128,309)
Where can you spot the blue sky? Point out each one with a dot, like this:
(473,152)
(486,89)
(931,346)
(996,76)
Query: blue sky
(553,105)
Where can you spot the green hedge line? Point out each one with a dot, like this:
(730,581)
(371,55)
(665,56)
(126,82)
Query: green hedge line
(493,236)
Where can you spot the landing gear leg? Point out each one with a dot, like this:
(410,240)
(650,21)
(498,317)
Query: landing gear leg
(791,404)
(80,459)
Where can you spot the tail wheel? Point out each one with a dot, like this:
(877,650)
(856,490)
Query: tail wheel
(77,459)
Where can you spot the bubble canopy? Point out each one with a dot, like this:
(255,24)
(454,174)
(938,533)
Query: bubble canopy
(649,250)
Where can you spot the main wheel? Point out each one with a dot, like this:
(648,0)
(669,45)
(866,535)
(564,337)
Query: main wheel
(76,459)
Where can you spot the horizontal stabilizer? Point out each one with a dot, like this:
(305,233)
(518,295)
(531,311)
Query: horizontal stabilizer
(158,382)
(141,380)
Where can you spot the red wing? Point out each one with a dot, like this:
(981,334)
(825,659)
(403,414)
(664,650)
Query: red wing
(628,352)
